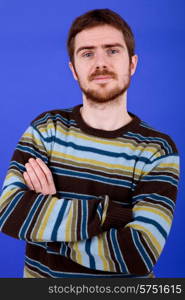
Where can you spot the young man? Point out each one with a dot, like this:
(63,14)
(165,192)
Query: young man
(92,189)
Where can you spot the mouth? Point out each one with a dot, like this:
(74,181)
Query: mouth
(102,79)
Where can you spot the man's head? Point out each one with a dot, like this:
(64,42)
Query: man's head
(101,48)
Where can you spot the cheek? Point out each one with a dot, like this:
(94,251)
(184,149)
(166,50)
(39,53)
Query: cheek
(122,65)
(82,72)
(123,70)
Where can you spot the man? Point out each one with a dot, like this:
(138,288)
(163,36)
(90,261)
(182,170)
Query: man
(92,189)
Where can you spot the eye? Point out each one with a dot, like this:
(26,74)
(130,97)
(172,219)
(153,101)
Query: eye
(112,51)
(87,54)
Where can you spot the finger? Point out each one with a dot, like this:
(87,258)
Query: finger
(40,175)
(48,174)
(33,177)
(46,171)
(28,180)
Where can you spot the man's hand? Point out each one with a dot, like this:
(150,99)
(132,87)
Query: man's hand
(38,177)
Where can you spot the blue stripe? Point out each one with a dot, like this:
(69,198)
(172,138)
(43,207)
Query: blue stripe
(31,151)
(160,178)
(11,206)
(63,249)
(44,119)
(59,220)
(54,118)
(94,150)
(117,252)
(31,213)
(16,184)
(152,139)
(20,184)
(154,223)
(100,210)
(39,244)
(91,258)
(19,166)
(154,197)
(58,274)
(99,151)
(84,226)
(91,177)
(76,196)
(141,249)
(52,138)
(143,124)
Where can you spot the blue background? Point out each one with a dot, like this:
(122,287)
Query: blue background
(34,77)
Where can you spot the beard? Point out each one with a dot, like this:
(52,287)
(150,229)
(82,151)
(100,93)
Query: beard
(100,94)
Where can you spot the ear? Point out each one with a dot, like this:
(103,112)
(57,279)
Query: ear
(73,70)
(134,61)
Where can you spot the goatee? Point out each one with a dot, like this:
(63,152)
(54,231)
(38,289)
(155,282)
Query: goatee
(103,96)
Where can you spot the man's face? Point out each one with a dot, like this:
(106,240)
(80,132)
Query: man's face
(101,63)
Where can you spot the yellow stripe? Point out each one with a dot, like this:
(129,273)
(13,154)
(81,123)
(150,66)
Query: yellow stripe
(27,274)
(101,253)
(38,142)
(94,162)
(106,204)
(9,175)
(100,141)
(68,224)
(45,219)
(150,235)
(172,165)
(110,262)
(14,173)
(29,135)
(155,211)
(31,274)
(78,254)
(7,195)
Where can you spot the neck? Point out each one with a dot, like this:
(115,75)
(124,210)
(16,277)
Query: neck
(106,116)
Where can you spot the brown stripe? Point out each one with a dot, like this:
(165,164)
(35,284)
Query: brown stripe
(151,250)
(58,262)
(131,256)
(112,252)
(15,220)
(23,157)
(107,252)
(95,169)
(84,186)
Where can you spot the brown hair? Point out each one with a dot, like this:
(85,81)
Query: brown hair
(98,17)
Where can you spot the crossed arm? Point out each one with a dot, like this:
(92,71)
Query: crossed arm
(131,239)
(39,178)
(39,214)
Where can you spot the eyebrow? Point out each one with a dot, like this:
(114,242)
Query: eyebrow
(103,46)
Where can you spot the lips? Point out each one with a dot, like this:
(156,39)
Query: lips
(102,77)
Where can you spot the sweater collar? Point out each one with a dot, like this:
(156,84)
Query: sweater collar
(100,132)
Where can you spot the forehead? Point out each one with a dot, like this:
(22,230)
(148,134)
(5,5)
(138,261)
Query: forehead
(103,34)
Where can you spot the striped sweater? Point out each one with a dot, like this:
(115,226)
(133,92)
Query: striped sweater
(116,193)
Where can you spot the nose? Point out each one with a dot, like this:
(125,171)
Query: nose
(101,61)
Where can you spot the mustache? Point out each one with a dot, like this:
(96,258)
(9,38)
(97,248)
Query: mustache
(103,72)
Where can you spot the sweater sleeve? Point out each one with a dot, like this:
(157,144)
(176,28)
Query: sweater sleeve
(136,247)
(31,216)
